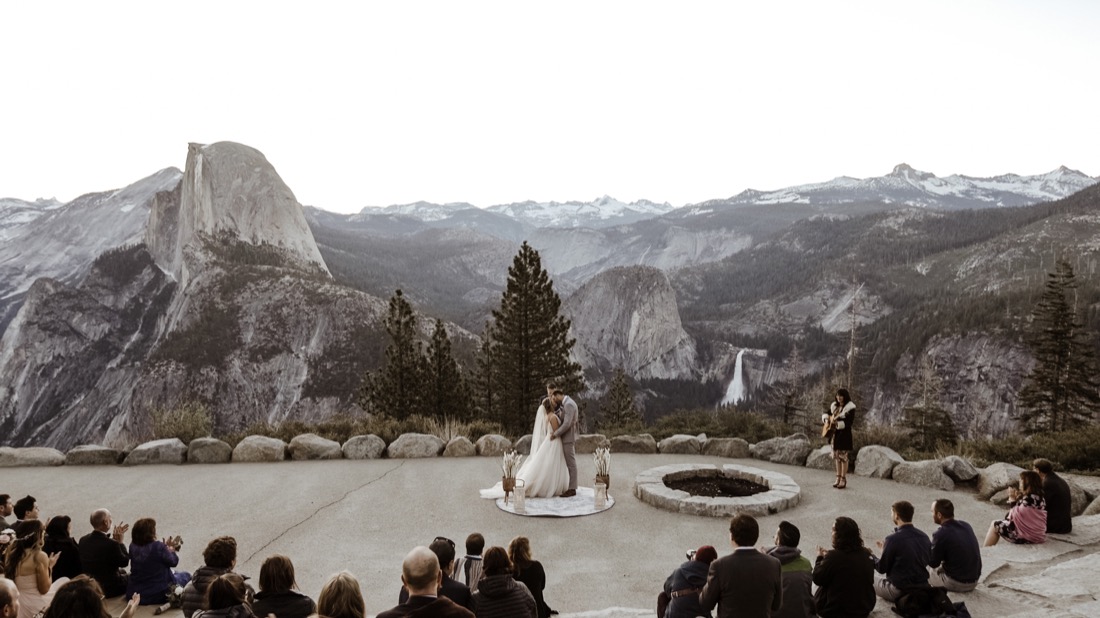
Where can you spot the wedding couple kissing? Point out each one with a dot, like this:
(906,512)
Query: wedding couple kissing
(551,468)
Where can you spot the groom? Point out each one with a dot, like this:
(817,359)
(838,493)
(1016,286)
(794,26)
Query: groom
(567,431)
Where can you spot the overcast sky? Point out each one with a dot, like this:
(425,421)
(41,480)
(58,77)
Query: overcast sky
(377,103)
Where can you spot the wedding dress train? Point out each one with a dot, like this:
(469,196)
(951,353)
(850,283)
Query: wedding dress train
(544,473)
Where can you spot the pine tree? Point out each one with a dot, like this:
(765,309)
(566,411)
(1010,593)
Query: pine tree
(397,389)
(446,393)
(530,344)
(928,421)
(1062,392)
(618,410)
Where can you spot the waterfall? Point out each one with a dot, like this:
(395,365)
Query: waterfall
(736,390)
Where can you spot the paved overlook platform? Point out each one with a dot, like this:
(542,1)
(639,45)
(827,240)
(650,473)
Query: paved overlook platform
(365,515)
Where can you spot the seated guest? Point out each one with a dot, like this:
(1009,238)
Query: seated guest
(226,597)
(421,575)
(83,598)
(102,554)
(956,556)
(456,591)
(341,597)
(845,574)
(25,509)
(529,571)
(498,594)
(1026,521)
(683,586)
(905,555)
(6,509)
(59,541)
(1059,499)
(277,593)
(151,564)
(468,568)
(797,573)
(219,558)
(29,567)
(9,599)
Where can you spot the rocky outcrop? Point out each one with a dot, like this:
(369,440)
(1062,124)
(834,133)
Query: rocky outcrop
(790,450)
(493,445)
(166,451)
(927,473)
(415,445)
(733,448)
(627,317)
(643,443)
(209,451)
(30,456)
(959,469)
(460,446)
(312,446)
(680,444)
(1079,500)
(92,455)
(996,477)
(877,461)
(364,447)
(259,448)
(587,443)
(821,458)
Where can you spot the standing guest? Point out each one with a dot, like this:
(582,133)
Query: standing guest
(83,598)
(956,556)
(746,582)
(9,599)
(103,555)
(798,598)
(1058,497)
(341,597)
(151,564)
(219,558)
(498,594)
(29,567)
(841,418)
(529,571)
(59,540)
(686,582)
(6,509)
(1026,520)
(421,575)
(469,566)
(845,574)
(277,593)
(226,597)
(444,550)
(905,555)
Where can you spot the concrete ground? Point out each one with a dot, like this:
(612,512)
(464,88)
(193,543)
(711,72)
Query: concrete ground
(364,516)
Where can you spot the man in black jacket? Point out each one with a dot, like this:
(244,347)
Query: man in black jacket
(1059,500)
(422,578)
(444,550)
(103,555)
(905,556)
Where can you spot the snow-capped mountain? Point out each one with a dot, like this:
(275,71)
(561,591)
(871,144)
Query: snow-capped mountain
(17,213)
(424,211)
(905,185)
(603,212)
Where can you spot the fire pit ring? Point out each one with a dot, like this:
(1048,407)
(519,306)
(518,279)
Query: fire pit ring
(783,493)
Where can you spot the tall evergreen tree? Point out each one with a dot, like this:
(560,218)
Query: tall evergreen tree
(530,343)
(445,390)
(1062,390)
(618,410)
(928,421)
(397,389)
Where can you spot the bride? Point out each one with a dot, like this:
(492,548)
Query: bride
(544,473)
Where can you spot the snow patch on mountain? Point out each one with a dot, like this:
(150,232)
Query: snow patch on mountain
(601,212)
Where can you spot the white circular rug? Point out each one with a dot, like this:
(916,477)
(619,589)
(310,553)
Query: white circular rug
(584,503)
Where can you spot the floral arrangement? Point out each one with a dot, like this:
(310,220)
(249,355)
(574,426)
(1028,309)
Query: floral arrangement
(510,464)
(7,536)
(602,457)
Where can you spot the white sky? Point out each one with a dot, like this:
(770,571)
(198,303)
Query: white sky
(377,103)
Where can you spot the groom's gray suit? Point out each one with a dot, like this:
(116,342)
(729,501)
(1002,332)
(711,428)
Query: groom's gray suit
(567,433)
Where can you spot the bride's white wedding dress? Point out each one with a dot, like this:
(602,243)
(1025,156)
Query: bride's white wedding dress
(543,472)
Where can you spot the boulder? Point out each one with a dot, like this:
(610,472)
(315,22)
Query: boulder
(166,451)
(927,473)
(1093,508)
(996,477)
(209,451)
(587,443)
(877,461)
(643,443)
(680,444)
(733,448)
(364,447)
(30,456)
(821,458)
(260,448)
(309,446)
(493,445)
(415,446)
(791,450)
(1078,498)
(460,446)
(1000,498)
(92,455)
(959,469)
(523,445)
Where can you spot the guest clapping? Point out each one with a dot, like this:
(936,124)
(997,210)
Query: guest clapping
(151,573)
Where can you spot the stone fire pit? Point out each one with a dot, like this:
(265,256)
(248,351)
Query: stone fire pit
(782,492)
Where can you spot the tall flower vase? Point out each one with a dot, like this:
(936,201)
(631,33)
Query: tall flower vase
(509,483)
(605,479)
